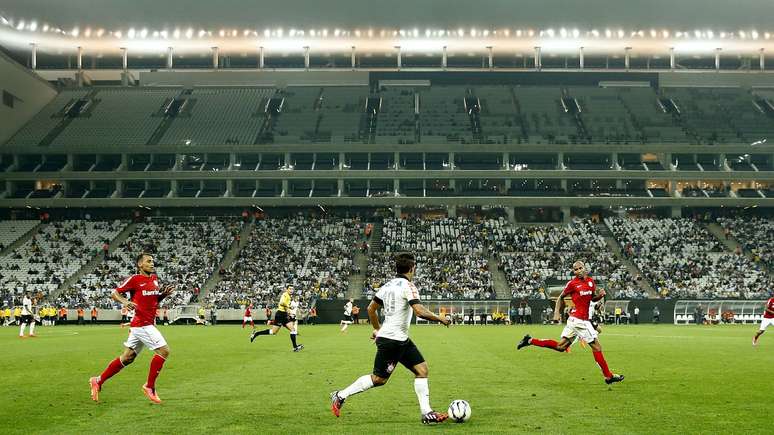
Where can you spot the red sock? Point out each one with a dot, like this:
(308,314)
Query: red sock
(155,367)
(243,325)
(551,344)
(600,359)
(114,367)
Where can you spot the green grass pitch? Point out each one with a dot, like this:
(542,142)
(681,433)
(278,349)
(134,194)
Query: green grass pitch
(679,379)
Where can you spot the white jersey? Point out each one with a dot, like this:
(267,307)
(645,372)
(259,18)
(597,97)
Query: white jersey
(26,306)
(293,309)
(592,309)
(395,295)
(348,309)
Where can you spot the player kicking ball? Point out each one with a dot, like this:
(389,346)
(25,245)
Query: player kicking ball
(399,298)
(144,298)
(582,290)
(768,319)
(281,318)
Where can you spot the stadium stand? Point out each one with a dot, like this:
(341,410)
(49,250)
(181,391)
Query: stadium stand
(396,120)
(11,231)
(442,115)
(217,116)
(55,253)
(117,116)
(314,256)
(186,253)
(681,259)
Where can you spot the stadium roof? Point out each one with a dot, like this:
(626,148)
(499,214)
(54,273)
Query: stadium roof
(629,14)
(693,27)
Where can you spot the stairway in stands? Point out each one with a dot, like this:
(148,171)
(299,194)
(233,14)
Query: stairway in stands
(357,280)
(499,280)
(376,237)
(615,248)
(94,262)
(231,255)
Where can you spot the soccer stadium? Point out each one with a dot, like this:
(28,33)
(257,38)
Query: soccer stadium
(291,204)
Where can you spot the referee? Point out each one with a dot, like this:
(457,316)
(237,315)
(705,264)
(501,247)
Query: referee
(281,318)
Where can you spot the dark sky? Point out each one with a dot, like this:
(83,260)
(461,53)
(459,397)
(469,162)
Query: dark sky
(585,14)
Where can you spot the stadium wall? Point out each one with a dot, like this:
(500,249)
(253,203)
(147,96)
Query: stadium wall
(23,95)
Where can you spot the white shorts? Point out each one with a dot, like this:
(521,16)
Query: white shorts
(765,323)
(247,319)
(580,328)
(144,336)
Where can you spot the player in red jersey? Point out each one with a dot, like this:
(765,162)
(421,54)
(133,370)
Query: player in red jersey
(144,298)
(248,316)
(582,290)
(768,319)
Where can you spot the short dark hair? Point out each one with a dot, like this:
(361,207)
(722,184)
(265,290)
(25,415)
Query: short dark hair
(140,255)
(404,262)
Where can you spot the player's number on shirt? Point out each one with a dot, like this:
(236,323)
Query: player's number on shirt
(389,303)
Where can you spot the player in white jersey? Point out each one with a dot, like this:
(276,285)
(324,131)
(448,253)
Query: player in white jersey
(347,315)
(398,298)
(27,316)
(293,314)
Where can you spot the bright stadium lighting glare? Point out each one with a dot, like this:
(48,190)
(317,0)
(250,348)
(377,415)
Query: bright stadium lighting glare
(620,33)
(234,33)
(575,33)
(45,28)
(202,33)
(176,34)
(87,32)
(652,33)
(4,20)
(767,35)
(416,32)
(665,33)
(189,33)
(118,34)
(742,34)
(563,32)
(550,32)
(370,33)
(144,33)
(336,32)
(754,34)
(76,31)
(507,32)
(292,32)
(608,33)
(33,26)
(486,32)
(164,34)
(131,33)
(595,33)
(20,26)
(518,33)
(325,33)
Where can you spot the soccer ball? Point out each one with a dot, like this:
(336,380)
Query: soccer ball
(459,411)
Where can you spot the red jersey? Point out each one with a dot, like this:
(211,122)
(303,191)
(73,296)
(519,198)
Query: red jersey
(247,312)
(144,292)
(770,306)
(581,290)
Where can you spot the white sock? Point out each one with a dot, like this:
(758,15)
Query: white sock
(271,332)
(361,384)
(32,328)
(21,330)
(423,395)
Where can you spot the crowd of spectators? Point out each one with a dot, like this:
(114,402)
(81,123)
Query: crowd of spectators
(755,234)
(53,254)
(681,259)
(312,255)
(533,258)
(439,275)
(186,253)
(460,235)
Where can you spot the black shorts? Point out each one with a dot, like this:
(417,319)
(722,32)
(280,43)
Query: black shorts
(391,352)
(26,319)
(347,318)
(281,318)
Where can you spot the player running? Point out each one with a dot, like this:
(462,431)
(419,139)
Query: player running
(144,298)
(347,315)
(398,298)
(768,319)
(248,316)
(582,290)
(27,316)
(281,319)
